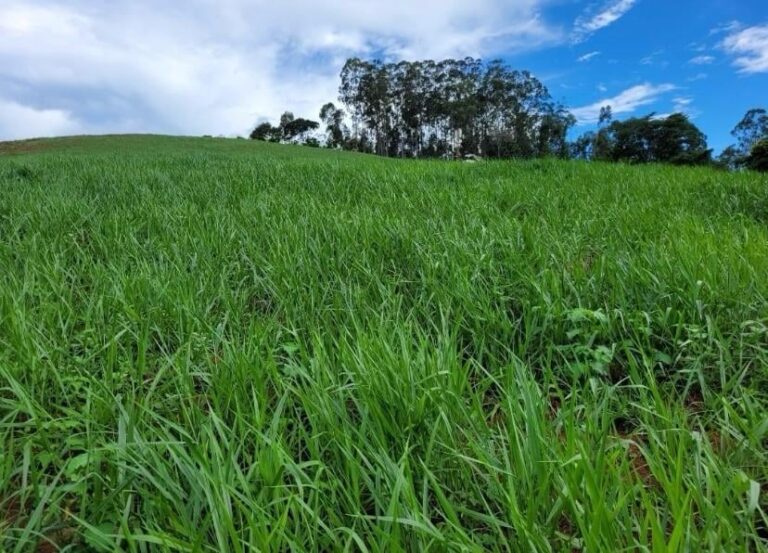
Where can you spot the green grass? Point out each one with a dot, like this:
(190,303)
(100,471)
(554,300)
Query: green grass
(216,345)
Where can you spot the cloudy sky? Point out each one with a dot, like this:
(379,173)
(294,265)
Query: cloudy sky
(219,66)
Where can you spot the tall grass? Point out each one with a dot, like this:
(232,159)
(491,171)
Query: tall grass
(217,346)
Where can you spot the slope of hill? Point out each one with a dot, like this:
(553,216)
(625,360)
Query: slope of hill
(208,343)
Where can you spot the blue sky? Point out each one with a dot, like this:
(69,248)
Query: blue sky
(219,66)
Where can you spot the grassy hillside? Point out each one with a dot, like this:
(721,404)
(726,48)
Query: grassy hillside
(217,345)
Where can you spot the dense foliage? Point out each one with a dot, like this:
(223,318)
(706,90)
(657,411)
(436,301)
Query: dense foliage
(451,107)
(671,139)
(222,345)
(757,159)
(290,129)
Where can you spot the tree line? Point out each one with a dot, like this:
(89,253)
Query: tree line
(466,107)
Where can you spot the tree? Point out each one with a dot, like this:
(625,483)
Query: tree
(336,130)
(265,131)
(450,108)
(758,156)
(676,140)
(730,158)
(552,133)
(286,118)
(583,146)
(606,116)
(290,129)
(602,146)
(673,139)
(752,128)
(297,129)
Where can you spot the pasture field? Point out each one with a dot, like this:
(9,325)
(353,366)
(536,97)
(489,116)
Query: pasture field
(218,345)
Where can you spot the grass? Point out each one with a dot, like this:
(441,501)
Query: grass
(216,345)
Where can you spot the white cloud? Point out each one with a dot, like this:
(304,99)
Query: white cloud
(217,66)
(729,27)
(610,12)
(625,102)
(587,57)
(20,121)
(702,60)
(684,104)
(652,59)
(697,77)
(697,47)
(750,48)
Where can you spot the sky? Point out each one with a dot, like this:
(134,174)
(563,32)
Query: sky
(218,67)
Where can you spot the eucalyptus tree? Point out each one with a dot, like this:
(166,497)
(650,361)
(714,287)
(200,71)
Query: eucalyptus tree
(336,129)
(752,129)
(451,107)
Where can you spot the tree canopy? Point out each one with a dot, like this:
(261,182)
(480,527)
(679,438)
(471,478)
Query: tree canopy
(265,131)
(290,129)
(672,139)
(449,108)
(752,128)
